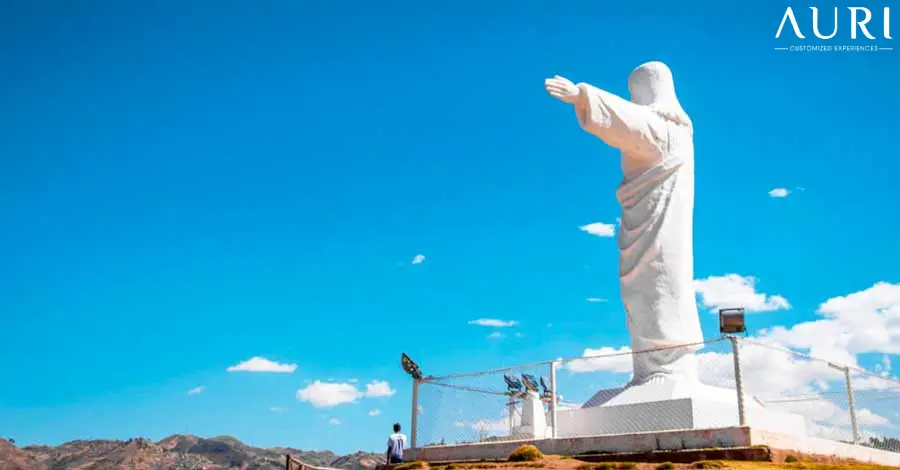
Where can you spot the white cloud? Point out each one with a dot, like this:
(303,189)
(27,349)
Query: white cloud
(327,395)
(334,421)
(330,394)
(779,192)
(603,359)
(495,335)
(489,426)
(768,373)
(595,300)
(484,428)
(787,383)
(277,409)
(599,229)
(734,290)
(374,412)
(379,388)
(865,417)
(261,364)
(863,322)
(196,390)
(418,259)
(493,322)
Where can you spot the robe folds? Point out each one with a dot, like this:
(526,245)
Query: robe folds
(655,237)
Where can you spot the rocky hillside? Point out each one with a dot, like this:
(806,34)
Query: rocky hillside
(180,452)
(13,458)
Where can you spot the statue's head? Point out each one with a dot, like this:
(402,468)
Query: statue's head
(651,84)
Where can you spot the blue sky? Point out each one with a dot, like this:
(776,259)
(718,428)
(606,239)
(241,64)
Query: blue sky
(186,186)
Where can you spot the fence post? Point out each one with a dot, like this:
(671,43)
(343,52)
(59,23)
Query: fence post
(414,426)
(511,413)
(553,420)
(738,380)
(852,403)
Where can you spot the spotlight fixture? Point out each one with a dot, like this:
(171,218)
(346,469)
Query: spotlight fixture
(547,392)
(410,367)
(513,385)
(731,320)
(530,384)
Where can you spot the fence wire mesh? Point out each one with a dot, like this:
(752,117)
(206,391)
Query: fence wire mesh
(877,406)
(811,394)
(794,384)
(474,407)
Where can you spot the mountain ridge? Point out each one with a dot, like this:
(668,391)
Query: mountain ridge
(178,451)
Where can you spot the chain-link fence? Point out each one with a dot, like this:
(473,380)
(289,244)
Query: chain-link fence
(813,392)
(877,409)
(783,391)
(480,406)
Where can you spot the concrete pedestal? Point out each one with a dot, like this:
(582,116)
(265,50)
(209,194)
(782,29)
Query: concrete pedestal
(534,419)
(666,404)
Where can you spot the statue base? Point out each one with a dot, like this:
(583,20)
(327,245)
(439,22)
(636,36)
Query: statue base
(665,404)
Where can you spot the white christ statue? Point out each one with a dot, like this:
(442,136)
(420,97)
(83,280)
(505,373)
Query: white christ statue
(656,262)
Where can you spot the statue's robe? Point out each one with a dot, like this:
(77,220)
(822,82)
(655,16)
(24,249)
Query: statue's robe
(656,265)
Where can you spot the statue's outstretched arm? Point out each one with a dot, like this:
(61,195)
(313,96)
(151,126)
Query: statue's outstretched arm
(562,89)
(620,123)
(627,126)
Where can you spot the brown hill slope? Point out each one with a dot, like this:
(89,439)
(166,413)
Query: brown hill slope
(179,452)
(12,457)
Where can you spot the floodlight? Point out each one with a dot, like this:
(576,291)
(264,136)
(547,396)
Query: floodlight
(410,367)
(513,385)
(530,384)
(546,387)
(731,320)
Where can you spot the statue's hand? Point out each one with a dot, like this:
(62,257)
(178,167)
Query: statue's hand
(562,89)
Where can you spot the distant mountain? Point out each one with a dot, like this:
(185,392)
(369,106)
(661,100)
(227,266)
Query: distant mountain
(178,452)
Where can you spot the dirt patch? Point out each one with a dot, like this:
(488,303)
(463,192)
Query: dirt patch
(755,454)
(779,456)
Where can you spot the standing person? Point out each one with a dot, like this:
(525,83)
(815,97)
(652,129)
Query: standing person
(395,446)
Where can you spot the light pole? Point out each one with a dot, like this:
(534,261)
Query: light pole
(411,368)
(731,322)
